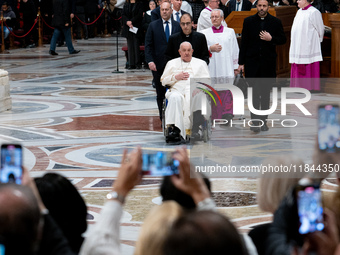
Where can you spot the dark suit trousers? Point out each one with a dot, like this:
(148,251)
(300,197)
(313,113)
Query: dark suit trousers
(160,90)
(133,49)
(261,96)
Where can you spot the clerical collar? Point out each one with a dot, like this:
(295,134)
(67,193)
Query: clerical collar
(306,8)
(218,29)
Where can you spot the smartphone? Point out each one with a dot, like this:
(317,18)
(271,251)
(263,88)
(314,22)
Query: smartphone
(310,210)
(329,128)
(2,249)
(159,164)
(11,163)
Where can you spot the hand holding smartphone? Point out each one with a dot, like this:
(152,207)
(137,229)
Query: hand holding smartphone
(11,163)
(310,210)
(329,128)
(159,164)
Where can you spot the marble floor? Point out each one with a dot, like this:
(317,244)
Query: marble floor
(74,116)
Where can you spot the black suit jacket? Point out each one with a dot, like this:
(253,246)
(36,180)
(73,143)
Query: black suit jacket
(155,42)
(156,14)
(246,6)
(259,56)
(135,15)
(197,40)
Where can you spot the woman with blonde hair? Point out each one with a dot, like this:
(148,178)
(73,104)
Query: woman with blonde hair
(156,227)
(271,189)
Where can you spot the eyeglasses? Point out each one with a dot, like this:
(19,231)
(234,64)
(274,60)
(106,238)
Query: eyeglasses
(185,24)
(215,17)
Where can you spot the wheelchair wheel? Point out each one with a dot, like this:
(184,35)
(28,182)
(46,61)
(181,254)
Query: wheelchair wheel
(206,131)
(163,118)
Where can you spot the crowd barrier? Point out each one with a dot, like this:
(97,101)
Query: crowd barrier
(40,21)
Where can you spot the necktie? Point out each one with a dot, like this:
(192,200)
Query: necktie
(177,16)
(237,6)
(167,30)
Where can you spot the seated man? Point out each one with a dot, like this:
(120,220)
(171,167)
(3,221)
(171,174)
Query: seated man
(10,17)
(177,75)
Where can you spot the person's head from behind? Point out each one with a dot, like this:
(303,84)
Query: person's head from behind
(186,23)
(156,228)
(272,188)
(213,4)
(20,219)
(170,193)
(201,233)
(166,11)
(65,205)
(216,17)
(185,51)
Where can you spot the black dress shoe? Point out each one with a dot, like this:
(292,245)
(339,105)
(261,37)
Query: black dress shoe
(264,127)
(195,136)
(75,52)
(255,129)
(53,53)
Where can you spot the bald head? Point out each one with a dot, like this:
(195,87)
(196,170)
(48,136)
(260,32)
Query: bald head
(185,51)
(19,219)
(165,10)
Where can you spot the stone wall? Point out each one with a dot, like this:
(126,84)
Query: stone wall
(5,99)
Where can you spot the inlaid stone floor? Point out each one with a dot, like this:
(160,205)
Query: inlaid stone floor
(74,116)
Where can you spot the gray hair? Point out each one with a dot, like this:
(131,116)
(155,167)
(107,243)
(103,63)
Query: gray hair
(180,46)
(218,10)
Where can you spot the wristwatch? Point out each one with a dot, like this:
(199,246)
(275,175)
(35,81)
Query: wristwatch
(115,195)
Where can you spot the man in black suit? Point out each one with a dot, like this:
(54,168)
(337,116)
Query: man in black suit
(156,41)
(239,5)
(176,7)
(260,35)
(197,40)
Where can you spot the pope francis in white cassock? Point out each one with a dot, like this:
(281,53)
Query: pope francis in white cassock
(177,75)
(223,63)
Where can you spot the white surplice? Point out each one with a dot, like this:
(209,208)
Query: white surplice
(306,37)
(204,20)
(179,95)
(223,63)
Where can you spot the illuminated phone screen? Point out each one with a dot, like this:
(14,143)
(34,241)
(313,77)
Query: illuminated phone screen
(310,210)
(11,164)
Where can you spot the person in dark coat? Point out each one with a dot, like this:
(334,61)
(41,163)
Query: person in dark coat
(132,18)
(29,14)
(234,5)
(147,15)
(197,40)
(61,22)
(91,8)
(260,35)
(156,42)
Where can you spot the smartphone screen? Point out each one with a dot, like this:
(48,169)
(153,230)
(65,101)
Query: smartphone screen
(329,128)
(11,163)
(309,203)
(2,249)
(159,164)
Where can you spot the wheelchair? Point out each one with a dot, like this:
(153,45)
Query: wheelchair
(205,129)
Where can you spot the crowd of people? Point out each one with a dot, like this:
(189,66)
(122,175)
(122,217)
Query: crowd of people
(47,215)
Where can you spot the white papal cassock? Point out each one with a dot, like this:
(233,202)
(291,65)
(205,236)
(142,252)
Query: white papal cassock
(179,103)
(223,63)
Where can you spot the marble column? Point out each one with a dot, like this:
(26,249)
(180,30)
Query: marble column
(5,99)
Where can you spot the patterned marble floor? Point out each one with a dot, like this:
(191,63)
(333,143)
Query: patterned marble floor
(74,116)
